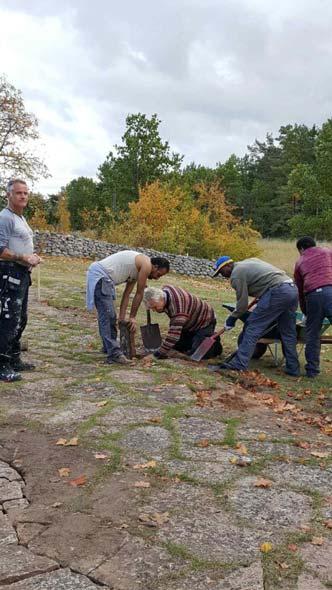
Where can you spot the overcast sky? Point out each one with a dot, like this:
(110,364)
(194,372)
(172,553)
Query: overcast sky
(219,73)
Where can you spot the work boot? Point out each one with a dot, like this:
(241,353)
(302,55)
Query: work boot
(18,365)
(119,360)
(8,374)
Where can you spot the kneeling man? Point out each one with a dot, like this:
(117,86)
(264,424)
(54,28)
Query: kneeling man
(191,320)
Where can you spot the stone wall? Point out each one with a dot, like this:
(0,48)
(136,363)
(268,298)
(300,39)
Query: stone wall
(54,244)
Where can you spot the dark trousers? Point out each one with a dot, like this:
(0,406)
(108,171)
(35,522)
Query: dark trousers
(104,302)
(318,306)
(279,305)
(14,288)
(190,341)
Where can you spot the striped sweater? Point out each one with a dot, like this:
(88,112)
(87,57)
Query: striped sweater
(186,312)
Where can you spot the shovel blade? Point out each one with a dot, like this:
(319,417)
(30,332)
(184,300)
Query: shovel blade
(203,348)
(151,337)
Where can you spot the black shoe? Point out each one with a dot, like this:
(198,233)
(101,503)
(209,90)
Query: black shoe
(19,365)
(222,367)
(8,374)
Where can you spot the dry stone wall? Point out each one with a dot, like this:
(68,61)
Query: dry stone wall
(54,244)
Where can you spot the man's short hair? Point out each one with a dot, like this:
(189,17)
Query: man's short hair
(152,294)
(305,242)
(160,262)
(14,181)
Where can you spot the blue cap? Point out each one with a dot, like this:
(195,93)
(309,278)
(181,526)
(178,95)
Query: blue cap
(222,261)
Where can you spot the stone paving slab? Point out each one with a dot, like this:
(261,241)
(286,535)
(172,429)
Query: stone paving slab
(17,563)
(213,536)
(7,531)
(128,415)
(14,504)
(318,559)
(205,471)
(269,508)
(176,394)
(136,565)
(74,411)
(244,578)
(195,429)
(149,439)
(10,490)
(59,580)
(8,472)
(307,582)
(132,376)
(301,476)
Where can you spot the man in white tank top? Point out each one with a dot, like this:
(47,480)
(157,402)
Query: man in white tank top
(126,266)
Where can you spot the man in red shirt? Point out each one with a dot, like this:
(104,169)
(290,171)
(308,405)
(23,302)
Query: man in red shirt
(313,277)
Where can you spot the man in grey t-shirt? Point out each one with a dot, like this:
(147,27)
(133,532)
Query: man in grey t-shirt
(16,261)
(277,302)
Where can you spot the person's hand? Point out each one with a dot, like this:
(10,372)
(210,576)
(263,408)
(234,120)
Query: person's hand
(230,323)
(132,324)
(31,259)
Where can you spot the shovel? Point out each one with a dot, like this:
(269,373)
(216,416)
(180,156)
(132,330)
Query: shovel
(150,334)
(205,346)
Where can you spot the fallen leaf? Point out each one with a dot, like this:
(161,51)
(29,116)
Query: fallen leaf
(203,443)
(161,517)
(61,441)
(79,481)
(155,519)
(328,523)
(101,456)
(101,404)
(283,566)
(155,420)
(317,541)
(147,520)
(262,483)
(302,444)
(242,448)
(266,547)
(73,442)
(306,528)
(56,504)
(292,547)
(142,484)
(147,465)
(261,436)
(64,471)
(319,454)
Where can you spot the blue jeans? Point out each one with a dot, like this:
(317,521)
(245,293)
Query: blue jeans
(104,302)
(318,306)
(278,305)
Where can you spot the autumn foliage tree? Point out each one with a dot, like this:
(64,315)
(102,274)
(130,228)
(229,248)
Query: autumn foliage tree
(166,218)
(18,132)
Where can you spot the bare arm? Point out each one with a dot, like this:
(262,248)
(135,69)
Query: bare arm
(125,299)
(26,259)
(143,275)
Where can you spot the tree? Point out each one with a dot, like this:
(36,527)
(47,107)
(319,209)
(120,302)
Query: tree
(81,196)
(142,158)
(18,130)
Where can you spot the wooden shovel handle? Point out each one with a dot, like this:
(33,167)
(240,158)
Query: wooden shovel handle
(148,316)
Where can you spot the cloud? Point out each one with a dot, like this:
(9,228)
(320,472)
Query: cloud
(219,74)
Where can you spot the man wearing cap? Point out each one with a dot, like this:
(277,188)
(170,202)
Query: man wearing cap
(313,277)
(277,302)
